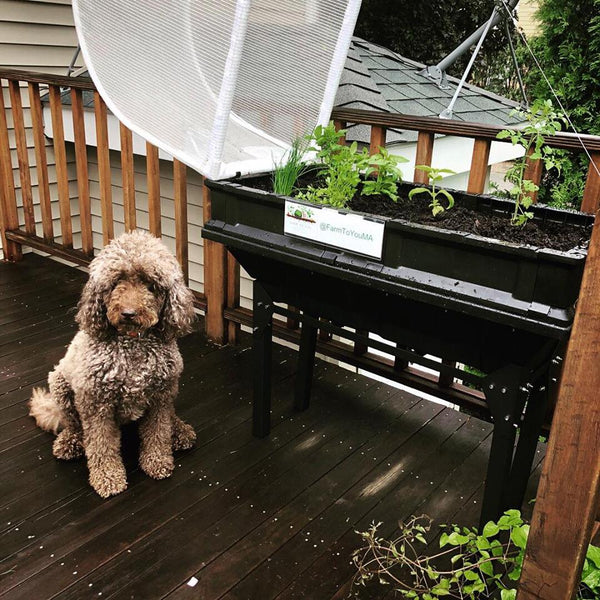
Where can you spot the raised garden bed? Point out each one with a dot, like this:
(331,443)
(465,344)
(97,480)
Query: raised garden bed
(502,307)
(536,283)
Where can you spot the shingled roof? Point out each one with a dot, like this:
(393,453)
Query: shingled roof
(375,78)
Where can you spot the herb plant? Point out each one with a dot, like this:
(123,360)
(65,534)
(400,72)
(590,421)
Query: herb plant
(473,565)
(343,166)
(291,166)
(541,120)
(387,174)
(434,176)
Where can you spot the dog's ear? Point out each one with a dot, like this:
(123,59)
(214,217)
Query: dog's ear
(178,314)
(91,311)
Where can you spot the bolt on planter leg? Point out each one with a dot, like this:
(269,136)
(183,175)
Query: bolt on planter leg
(503,397)
(262,339)
(306,361)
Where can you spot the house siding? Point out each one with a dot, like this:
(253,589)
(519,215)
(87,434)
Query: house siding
(38,36)
(527,17)
(194,198)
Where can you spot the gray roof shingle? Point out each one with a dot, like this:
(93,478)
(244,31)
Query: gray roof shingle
(402,89)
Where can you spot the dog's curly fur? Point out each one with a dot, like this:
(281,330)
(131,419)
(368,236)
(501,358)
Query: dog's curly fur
(122,365)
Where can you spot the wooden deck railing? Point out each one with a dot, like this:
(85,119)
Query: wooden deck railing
(21,231)
(19,227)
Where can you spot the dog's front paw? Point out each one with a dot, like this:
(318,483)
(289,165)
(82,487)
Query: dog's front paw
(108,482)
(157,466)
(68,445)
(184,436)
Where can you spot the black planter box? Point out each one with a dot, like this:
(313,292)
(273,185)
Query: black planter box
(502,308)
(535,288)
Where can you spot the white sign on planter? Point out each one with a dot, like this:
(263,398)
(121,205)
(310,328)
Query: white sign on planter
(329,226)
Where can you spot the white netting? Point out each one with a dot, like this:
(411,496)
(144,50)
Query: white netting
(223,85)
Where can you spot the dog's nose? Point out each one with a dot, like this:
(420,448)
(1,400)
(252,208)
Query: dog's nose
(128,313)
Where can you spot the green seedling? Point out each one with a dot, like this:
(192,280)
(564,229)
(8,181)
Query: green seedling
(435,176)
(541,120)
(291,166)
(384,167)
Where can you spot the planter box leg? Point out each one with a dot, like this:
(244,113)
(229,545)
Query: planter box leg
(502,396)
(262,338)
(306,361)
(528,440)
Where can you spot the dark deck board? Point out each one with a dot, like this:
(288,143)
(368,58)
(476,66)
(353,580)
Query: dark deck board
(250,519)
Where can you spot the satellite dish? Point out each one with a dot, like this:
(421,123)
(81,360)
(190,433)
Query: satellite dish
(222,85)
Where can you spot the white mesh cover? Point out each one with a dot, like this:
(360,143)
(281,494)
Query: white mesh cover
(222,85)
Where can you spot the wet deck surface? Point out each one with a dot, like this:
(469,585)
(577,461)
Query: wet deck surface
(248,518)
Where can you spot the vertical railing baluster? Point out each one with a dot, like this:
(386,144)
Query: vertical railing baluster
(153,180)
(233,296)
(591,192)
(128,177)
(479,166)
(41,161)
(533,173)
(423,156)
(181,215)
(83,179)
(62,175)
(22,155)
(108,231)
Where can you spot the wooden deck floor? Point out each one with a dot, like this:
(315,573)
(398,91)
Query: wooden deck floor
(249,519)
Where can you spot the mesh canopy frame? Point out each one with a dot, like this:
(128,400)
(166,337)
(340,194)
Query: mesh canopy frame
(222,85)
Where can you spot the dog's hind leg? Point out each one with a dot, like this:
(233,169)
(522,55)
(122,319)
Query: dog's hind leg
(184,436)
(69,442)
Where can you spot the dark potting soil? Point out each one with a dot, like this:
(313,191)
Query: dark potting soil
(537,233)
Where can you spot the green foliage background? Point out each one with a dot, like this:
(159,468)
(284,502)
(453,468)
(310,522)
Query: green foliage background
(426,31)
(568,49)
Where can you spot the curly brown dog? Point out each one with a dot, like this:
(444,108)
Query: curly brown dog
(123,365)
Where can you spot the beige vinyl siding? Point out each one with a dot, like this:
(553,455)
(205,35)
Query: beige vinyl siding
(527,17)
(194,199)
(38,36)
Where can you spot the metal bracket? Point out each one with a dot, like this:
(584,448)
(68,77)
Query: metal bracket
(437,75)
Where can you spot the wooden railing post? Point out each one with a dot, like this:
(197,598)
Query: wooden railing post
(233,296)
(153,178)
(533,173)
(591,193)
(108,231)
(9,218)
(215,281)
(128,176)
(479,166)
(41,161)
(423,156)
(60,154)
(181,216)
(569,490)
(22,155)
(83,182)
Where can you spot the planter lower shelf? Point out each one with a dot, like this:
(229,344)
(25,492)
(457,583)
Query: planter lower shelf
(507,312)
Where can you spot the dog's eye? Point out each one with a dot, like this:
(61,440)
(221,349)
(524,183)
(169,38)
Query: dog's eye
(152,287)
